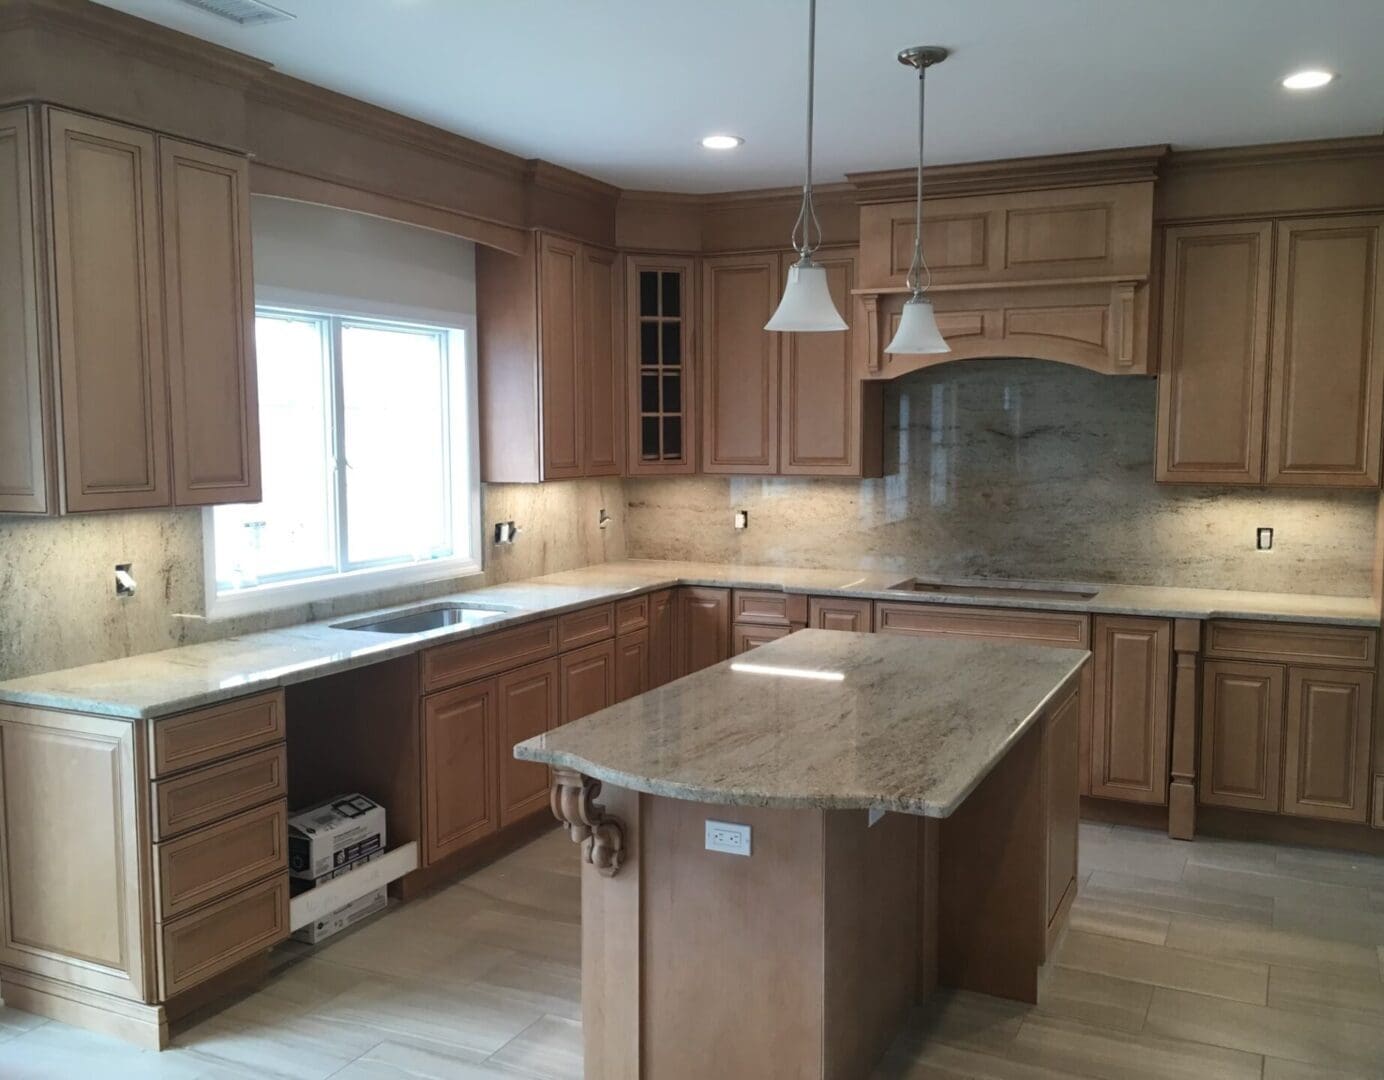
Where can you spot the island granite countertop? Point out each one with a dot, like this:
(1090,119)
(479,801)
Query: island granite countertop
(823,719)
(174,680)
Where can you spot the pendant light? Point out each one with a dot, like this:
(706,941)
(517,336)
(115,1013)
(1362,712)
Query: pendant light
(807,303)
(917,333)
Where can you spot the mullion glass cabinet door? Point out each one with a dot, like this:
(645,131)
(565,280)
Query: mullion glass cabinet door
(660,335)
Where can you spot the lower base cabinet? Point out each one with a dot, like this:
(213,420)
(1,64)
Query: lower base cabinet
(662,639)
(1132,713)
(527,704)
(461,798)
(1326,744)
(832,613)
(631,664)
(1062,805)
(744,638)
(587,680)
(701,629)
(1242,735)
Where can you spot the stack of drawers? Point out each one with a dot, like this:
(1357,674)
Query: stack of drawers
(219,814)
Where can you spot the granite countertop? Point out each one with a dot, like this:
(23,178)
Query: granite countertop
(823,719)
(174,680)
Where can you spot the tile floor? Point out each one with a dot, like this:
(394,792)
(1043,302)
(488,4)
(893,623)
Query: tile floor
(1198,961)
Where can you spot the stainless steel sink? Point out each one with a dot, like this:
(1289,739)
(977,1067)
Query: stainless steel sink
(432,617)
(1012,591)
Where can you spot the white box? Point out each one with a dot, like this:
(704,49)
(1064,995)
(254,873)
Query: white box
(336,921)
(332,836)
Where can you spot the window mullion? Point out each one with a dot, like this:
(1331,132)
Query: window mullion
(343,552)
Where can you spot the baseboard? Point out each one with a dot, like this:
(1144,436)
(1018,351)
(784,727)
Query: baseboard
(145,1026)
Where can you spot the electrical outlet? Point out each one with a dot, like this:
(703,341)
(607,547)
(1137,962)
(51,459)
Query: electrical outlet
(727,837)
(505,532)
(742,519)
(124,579)
(602,519)
(1263,538)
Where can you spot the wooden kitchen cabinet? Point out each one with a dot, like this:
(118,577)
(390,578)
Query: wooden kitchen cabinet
(1242,734)
(1062,803)
(1213,365)
(588,680)
(837,613)
(601,307)
(1326,752)
(527,703)
(746,637)
(701,624)
(662,393)
(1131,714)
(559,348)
(662,639)
(1326,371)
(631,664)
(461,797)
(740,364)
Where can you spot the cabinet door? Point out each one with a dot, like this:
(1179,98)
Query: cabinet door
(559,348)
(1241,734)
(662,638)
(209,306)
(826,428)
(1130,721)
(460,794)
(1214,353)
(1327,744)
(1326,376)
(740,364)
(25,449)
(631,664)
(74,862)
(602,364)
(527,704)
(1062,799)
(702,628)
(747,636)
(662,393)
(107,280)
(588,680)
(830,613)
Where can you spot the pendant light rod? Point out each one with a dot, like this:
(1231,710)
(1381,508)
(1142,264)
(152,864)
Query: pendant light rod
(807,214)
(921,57)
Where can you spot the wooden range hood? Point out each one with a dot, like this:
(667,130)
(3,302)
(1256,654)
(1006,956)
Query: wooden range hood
(1046,257)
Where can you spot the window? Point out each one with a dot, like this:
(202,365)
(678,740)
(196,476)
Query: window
(368,448)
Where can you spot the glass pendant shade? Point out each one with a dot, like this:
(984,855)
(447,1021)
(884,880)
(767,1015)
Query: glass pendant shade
(917,334)
(807,304)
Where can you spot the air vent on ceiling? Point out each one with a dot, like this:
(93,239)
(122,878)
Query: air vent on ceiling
(244,12)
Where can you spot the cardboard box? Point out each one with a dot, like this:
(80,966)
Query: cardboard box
(331,837)
(343,917)
(298,886)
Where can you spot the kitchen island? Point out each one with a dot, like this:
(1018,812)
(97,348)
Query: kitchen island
(888,815)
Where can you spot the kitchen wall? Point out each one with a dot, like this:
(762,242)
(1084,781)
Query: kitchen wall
(57,596)
(1018,469)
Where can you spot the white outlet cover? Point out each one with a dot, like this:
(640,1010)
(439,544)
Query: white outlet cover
(727,837)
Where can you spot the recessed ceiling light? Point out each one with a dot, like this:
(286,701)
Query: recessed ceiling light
(1310,79)
(722,142)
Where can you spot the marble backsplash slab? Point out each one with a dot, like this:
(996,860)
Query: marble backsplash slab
(1018,469)
(58,606)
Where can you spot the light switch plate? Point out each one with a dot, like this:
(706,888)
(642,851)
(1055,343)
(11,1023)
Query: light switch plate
(727,837)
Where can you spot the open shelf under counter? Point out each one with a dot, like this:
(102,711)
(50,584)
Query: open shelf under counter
(307,907)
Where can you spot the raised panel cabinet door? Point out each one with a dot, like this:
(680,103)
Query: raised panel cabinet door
(745,637)
(107,281)
(1327,744)
(209,306)
(527,704)
(740,364)
(631,664)
(1242,734)
(602,363)
(1132,713)
(702,628)
(588,680)
(828,613)
(25,434)
(661,397)
(560,357)
(1326,374)
(461,799)
(1214,353)
(662,636)
(824,426)
(74,858)
(1062,797)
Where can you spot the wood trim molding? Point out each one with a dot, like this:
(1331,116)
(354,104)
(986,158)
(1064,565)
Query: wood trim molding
(601,836)
(1182,785)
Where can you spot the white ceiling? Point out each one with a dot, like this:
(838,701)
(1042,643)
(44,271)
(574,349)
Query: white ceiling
(624,89)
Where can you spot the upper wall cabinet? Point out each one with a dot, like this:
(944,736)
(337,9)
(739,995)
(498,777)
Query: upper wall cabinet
(662,365)
(151,400)
(789,404)
(551,362)
(1273,353)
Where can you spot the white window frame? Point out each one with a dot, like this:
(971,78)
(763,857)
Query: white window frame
(464,432)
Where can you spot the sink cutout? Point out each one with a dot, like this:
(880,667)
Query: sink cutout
(433,617)
(1017,592)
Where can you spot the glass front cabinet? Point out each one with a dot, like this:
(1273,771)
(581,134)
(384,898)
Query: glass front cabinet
(663,428)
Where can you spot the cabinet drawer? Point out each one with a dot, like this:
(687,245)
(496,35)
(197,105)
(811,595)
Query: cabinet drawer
(217,791)
(765,608)
(632,614)
(830,613)
(1291,643)
(447,665)
(1054,628)
(743,638)
(207,942)
(195,738)
(578,628)
(212,862)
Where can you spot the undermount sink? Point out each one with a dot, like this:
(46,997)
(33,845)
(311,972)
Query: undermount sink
(1011,591)
(432,617)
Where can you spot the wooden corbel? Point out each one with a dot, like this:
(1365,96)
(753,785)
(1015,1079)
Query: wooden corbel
(602,838)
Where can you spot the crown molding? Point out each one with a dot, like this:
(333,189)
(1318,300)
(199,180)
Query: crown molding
(1284,153)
